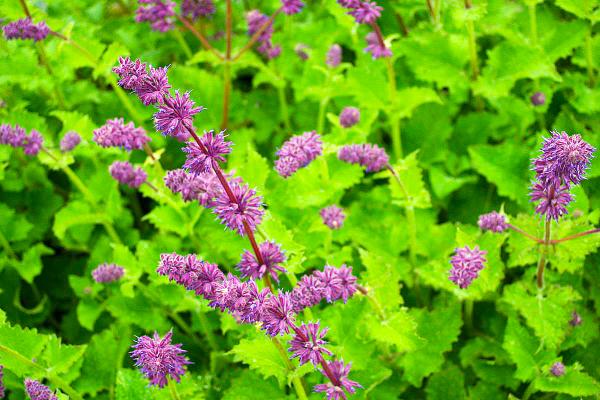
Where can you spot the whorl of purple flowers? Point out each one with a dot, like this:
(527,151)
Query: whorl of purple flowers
(298,152)
(307,344)
(333,216)
(159,13)
(334,55)
(335,390)
(214,148)
(370,156)
(349,117)
(2,382)
(25,29)
(175,115)
(365,12)
(247,208)
(290,7)
(493,221)
(36,391)
(125,173)
(116,133)
(576,319)
(272,256)
(17,137)
(106,273)
(538,99)
(203,187)
(158,359)
(553,200)
(255,20)
(69,141)
(466,264)
(557,369)
(375,47)
(331,284)
(197,8)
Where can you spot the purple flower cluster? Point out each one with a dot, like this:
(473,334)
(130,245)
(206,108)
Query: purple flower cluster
(563,162)
(174,116)
(334,55)
(203,187)
(576,319)
(349,117)
(200,158)
(301,51)
(333,216)
(331,284)
(2,382)
(26,29)
(557,369)
(255,20)
(244,209)
(272,256)
(197,8)
(69,141)
(307,344)
(159,13)
(370,156)
(116,133)
(298,152)
(106,273)
(538,99)
(376,47)
(158,359)
(290,7)
(365,12)
(126,174)
(36,391)
(493,221)
(466,264)
(335,390)
(17,137)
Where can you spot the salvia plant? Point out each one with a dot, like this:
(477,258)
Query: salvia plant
(205,199)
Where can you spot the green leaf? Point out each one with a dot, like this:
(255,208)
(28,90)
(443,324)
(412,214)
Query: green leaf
(524,350)
(548,314)
(75,121)
(573,382)
(507,63)
(61,357)
(251,386)
(131,385)
(444,184)
(18,346)
(260,354)
(381,279)
(581,8)
(408,99)
(88,311)
(440,328)
(76,216)
(447,384)
(31,262)
(166,218)
(411,192)
(13,226)
(397,328)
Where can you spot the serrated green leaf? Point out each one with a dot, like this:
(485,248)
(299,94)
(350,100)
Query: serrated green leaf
(260,354)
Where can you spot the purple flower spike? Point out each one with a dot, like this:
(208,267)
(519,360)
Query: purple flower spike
(375,47)
(159,13)
(278,314)
(245,208)
(552,200)
(203,187)
(126,174)
(349,117)
(131,74)
(309,292)
(153,87)
(36,391)
(272,256)
(334,56)
(493,221)
(174,116)
(366,12)
(335,390)
(370,156)
(308,344)
(291,6)
(14,137)
(26,29)
(564,159)
(538,99)
(575,319)
(197,8)
(106,273)
(557,369)
(214,149)
(466,264)
(192,273)
(255,20)
(339,283)
(33,143)
(69,141)
(298,152)
(333,216)
(115,133)
(2,382)
(349,3)
(158,359)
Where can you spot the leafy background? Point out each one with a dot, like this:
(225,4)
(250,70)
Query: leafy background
(467,137)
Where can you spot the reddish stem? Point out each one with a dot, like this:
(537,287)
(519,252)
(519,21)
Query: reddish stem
(580,234)
(377,31)
(200,36)
(256,35)
(522,232)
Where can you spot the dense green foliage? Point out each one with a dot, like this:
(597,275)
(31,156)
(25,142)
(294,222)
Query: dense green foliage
(452,107)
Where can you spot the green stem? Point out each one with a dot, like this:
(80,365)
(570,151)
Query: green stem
(296,381)
(173,390)
(226,93)
(284,108)
(56,381)
(210,336)
(126,102)
(533,24)
(529,391)
(543,256)
(589,58)
(44,61)
(473,49)
(410,218)
(184,326)
(393,119)
(321,116)
(181,40)
(468,312)
(6,244)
